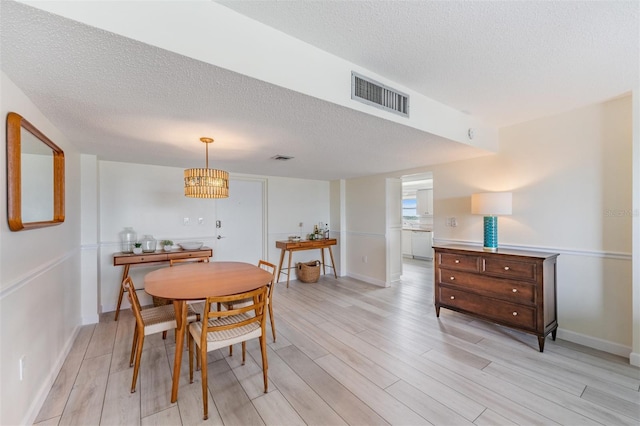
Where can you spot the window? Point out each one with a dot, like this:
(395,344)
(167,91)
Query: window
(409,208)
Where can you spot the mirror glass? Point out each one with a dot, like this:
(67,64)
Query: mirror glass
(35,177)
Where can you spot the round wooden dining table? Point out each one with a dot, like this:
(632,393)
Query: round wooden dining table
(194,281)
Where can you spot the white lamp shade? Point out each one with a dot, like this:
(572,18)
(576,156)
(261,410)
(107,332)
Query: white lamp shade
(491,203)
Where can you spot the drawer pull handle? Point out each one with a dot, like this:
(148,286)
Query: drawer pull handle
(452,278)
(453,297)
(506,268)
(515,290)
(457,261)
(515,314)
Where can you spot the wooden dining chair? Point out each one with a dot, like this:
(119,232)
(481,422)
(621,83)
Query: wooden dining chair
(160,301)
(149,321)
(270,267)
(228,327)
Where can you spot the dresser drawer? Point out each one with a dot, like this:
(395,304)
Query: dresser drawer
(141,258)
(460,261)
(190,254)
(505,289)
(503,312)
(509,268)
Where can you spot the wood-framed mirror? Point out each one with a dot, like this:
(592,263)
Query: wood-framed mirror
(35,177)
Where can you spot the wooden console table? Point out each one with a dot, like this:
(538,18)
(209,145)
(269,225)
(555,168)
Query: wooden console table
(128,259)
(291,246)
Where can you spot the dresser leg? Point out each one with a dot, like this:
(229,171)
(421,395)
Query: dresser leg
(541,343)
(437,311)
(553,334)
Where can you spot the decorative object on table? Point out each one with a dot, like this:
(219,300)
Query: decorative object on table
(206,183)
(294,238)
(191,245)
(308,272)
(137,248)
(491,205)
(149,244)
(167,245)
(128,238)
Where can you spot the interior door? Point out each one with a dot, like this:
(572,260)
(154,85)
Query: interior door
(240,224)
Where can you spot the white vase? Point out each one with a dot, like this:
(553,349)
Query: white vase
(167,248)
(137,250)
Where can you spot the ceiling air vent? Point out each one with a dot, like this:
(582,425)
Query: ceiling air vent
(372,93)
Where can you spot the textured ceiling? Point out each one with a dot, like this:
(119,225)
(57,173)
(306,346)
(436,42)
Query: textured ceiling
(502,61)
(128,101)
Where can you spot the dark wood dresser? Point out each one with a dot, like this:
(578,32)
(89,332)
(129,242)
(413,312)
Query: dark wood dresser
(514,288)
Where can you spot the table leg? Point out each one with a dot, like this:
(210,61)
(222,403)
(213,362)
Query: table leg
(125,274)
(180,307)
(289,269)
(280,267)
(324,271)
(333,264)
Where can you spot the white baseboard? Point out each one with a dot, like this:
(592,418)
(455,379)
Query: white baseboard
(91,319)
(368,280)
(634,359)
(595,343)
(47,384)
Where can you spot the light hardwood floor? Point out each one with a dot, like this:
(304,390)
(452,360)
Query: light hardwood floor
(352,353)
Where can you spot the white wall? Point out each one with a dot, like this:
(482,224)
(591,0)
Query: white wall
(571,178)
(570,175)
(151,200)
(635,355)
(40,283)
(365,220)
(393,229)
(337,223)
(292,201)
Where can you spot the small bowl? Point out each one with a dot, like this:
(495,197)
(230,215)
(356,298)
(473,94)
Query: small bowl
(294,239)
(190,245)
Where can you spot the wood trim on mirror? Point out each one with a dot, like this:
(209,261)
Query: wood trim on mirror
(16,124)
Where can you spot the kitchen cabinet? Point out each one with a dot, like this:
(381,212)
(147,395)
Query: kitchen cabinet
(421,245)
(424,202)
(514,288)
(417,244)
(406,243)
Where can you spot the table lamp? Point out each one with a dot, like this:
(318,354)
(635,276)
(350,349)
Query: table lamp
(491,205)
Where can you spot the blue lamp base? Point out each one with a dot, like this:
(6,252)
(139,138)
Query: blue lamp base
(490,233)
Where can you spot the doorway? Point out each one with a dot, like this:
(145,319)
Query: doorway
(417,222)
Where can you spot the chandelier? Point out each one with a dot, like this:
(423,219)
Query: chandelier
(206,183)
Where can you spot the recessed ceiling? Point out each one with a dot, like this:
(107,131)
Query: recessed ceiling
(504,62)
